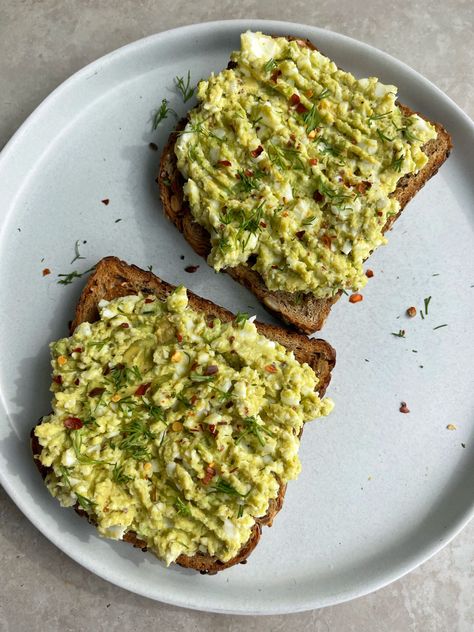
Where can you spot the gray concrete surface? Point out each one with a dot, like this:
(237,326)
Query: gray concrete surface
(41,44)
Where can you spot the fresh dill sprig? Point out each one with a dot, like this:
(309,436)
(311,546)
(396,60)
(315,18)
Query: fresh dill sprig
(312,119)
(330,149)
(384,137)
(270,65)
(137,434)
(377,117)
(439,327)
(181,507)
(224,487)
(397,163)
(153,410)
(248,181)
(325,92)
(119,476)
(162,113)
(401,333)
(77,253)
(69,278)
(427,302)
(82,458)
(254,428)
(185,87)
(240,319)
(183,400)
(87,504)
(309,220)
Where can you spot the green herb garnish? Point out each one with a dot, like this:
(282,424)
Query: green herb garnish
(439,326)
(240,512)
(87,504)
(222,486)
(185,88)
(162,113)
(401,334)
(427,302)
(119,476)
(254,428)
(69,278)
(182,508)
(312,119)
(377,117)
(270,65)
(240,319)
(383,137)
(181,398)
(397,163)
(248,181)
(137,434)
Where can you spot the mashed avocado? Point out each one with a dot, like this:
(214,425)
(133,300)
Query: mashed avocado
(174,426)
(292,161)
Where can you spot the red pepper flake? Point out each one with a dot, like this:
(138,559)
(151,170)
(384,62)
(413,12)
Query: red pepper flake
(77,350)
(404,408)
(325,240)
(179,337)
(212,369)
(73,423)
(356,298)
(224,163)
(191,269)
(193,399)
(301,109)
(105,201)
(275,74)
(256,152)
(411,312)
(294,99)
(142,389)
(76,382)
(149,300)
(369,274)
(212,430)
(98,390)
(46,271)
(312,162)
(58,379)
(210,472)
(318,197)
(363,186)
(248,173)
(124,325)
(274,267)
(379,213)
(263,224)
(300,234)
(271,368)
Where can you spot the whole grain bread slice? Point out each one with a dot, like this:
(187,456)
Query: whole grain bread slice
(113,278)
(305,313)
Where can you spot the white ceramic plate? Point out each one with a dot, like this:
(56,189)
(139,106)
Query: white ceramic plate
(380,491)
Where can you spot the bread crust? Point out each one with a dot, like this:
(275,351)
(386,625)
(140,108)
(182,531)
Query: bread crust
(305,313)
(113,278)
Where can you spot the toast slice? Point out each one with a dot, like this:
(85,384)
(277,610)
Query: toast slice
(114,278)
(305,313)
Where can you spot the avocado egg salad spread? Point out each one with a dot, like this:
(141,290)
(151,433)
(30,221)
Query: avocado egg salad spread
(290,161)
(173,426)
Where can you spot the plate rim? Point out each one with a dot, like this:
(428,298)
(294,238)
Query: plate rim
(177,33)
